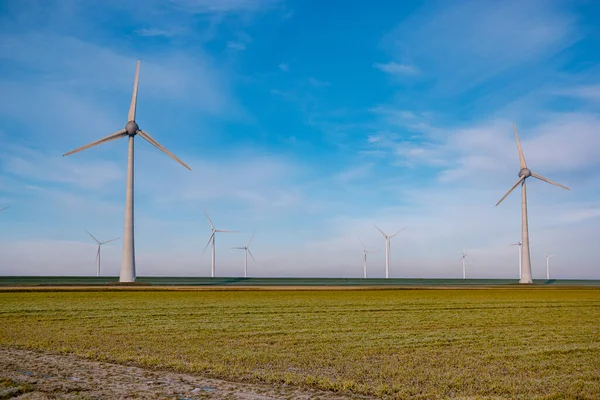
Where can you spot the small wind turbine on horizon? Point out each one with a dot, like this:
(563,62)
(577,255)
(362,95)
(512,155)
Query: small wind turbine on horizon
(365,251)
(212,238)
(130,131)
(548,265)
(520,258)
(524,173)
(98,253)
(464,264)
(387,249)
(246,249)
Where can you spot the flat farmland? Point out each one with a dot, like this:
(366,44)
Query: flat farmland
(452,343)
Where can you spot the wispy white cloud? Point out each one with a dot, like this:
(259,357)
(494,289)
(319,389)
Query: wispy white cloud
(394,68)
(463,44)
(587,92)
(159,32)
(284,67)
(225,6)
(35,166)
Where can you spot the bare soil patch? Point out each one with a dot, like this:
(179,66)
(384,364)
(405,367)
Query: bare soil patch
(27,374)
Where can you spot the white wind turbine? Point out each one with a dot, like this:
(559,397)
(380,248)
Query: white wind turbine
(212,239)
(387,249)
(520,256)
(246,249)
(365,251)
(548,265)
(524,173)
(98,253)
(464,264)
(131,130)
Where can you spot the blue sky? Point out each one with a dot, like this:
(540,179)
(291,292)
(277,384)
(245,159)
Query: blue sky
(307,122)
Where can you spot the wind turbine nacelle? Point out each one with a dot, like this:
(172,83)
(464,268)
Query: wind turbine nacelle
(525,172)
(132,128)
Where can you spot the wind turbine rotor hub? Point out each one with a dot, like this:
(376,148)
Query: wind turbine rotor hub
(132,128)
(525,172)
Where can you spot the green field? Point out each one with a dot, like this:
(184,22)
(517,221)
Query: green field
(234,281)
(453,343)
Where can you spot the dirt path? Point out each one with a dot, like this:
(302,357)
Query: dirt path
(27,374)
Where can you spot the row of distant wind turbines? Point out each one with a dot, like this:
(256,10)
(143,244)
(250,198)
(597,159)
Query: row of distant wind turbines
(246,248)
(132,129)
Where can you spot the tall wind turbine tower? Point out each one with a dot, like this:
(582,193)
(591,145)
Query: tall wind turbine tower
(463,258)
(98,253)
(387,249)
(131,130)
(524,173)
(548,266)
(212,239)
(520,257)
(246,249)
(365,251)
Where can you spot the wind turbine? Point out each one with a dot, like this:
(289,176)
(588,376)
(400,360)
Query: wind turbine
(365,251)
(548,266)
(464,265)
(524,173)
(520,255)
(131,129)
(98,254)
(212,238)
(387,249)
(246,249)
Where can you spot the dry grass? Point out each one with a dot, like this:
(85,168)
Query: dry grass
(495,343)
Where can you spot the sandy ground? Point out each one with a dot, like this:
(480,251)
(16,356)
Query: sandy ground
(48,376)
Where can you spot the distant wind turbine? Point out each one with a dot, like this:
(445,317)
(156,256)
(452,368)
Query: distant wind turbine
(212,239)
(387,249)
(131,129)
(365,251)
(548,265)
(246,249)
(98,253)
(524,173)
(520,255)
(464,265)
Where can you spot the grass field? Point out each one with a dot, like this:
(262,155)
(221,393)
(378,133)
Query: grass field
(235,281)
(453,343)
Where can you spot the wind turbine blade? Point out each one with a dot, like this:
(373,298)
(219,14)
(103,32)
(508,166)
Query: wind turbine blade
(226,231)
(153,142)
(113,136)
(249,252)
(397,232)
(511,189)
(207,243)
(96,240)
(111,240)
(132,107)
(384,235)
(363,245)
(209,221)
(98,254)
(541,178)
(251,237)
(2,209)
(521,157)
